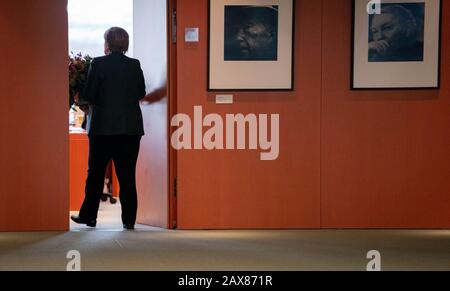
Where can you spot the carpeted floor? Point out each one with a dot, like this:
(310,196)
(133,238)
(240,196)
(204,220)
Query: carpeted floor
(110,248)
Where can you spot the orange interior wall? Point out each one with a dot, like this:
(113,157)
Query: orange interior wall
(78,161)
(348,159)
(385,154)
(34,143)
(234,189)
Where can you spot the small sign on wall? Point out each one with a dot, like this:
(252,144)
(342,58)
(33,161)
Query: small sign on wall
(192,34)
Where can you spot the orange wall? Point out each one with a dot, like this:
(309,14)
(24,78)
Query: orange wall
(347,159)
(34,153)
(78,162)
(234,189)
(385,154)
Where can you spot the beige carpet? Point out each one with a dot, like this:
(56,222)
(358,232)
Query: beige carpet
(110,248)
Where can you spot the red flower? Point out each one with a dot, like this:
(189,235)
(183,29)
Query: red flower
(78,70)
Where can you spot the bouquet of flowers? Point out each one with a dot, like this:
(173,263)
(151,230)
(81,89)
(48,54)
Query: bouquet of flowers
(78,71)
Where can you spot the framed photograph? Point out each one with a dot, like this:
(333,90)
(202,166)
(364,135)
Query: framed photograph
(396,44)
(251,45)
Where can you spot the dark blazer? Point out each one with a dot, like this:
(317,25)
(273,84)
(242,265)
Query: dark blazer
(114,87)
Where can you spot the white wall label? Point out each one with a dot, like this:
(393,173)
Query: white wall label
(224,99)
(192,34)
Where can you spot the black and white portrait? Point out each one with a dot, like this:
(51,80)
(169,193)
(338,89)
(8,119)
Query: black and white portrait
(397,34)
(250,40)
(251,33)
(398,48)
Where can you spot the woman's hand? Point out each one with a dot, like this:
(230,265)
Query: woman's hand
(156,95)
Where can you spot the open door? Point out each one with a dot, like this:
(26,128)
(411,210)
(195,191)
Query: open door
(152,48)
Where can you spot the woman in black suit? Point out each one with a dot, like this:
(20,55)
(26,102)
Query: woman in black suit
(114,125)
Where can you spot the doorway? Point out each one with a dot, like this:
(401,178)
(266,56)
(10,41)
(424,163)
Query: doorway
(149,24)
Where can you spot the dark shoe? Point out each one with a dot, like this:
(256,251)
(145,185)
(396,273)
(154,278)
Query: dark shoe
(128,226)
(77,219)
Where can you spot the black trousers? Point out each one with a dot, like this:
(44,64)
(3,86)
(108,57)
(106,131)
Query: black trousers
(123,150)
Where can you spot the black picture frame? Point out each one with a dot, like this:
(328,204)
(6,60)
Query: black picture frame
(217,55)
(390,66)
